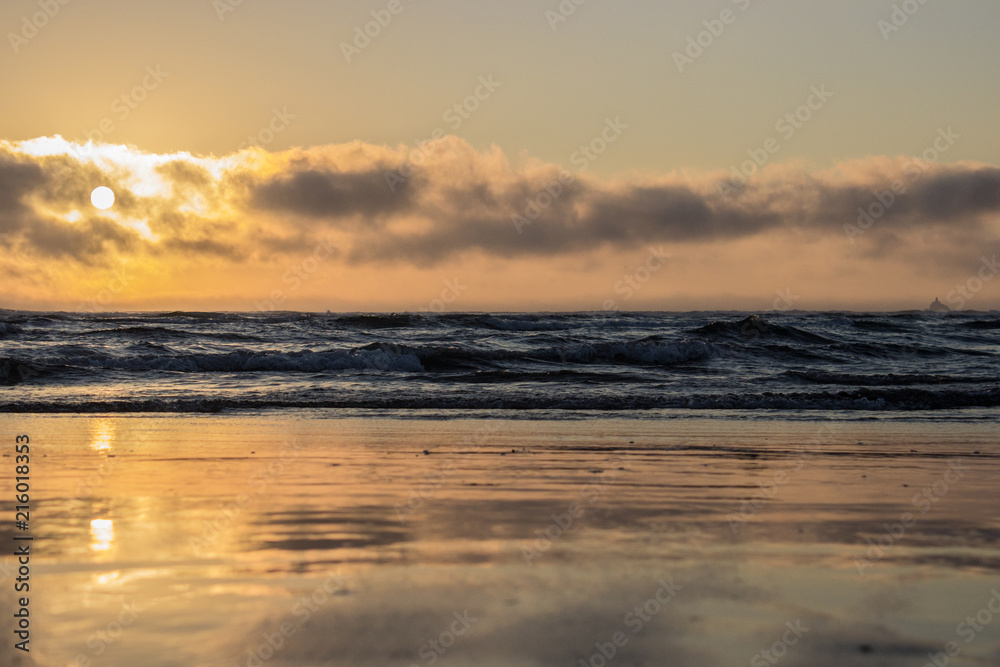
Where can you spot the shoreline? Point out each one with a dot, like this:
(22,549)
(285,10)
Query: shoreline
(771,415)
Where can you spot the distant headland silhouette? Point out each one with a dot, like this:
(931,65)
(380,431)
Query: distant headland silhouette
(938,307)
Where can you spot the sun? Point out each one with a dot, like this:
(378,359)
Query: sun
(102,197)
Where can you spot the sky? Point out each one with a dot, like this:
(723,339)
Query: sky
(526,155)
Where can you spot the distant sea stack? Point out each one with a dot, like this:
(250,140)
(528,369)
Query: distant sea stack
(938,307)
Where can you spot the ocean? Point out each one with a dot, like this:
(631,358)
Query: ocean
(910,365)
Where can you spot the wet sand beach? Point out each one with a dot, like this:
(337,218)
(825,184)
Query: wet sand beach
(296,539)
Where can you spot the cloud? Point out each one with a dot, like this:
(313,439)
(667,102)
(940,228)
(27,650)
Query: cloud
(954,194)
(333,196)
(81,241)
(447,200)
(18,178)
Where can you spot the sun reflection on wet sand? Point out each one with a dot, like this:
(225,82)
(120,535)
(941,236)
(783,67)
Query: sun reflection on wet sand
(102,532)
(102,435)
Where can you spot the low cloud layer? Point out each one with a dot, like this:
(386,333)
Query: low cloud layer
(445,202)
